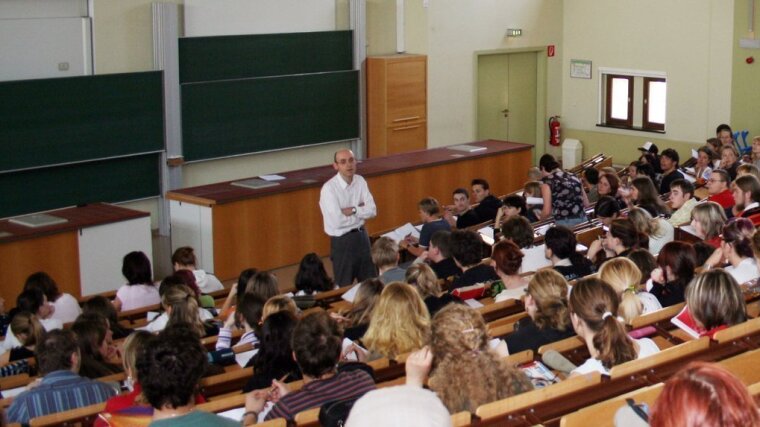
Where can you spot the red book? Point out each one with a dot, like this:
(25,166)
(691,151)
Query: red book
(685,321)
(467,292)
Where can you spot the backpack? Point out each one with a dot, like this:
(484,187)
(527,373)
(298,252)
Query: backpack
(335,413)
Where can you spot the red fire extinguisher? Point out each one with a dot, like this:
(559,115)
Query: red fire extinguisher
(554,127)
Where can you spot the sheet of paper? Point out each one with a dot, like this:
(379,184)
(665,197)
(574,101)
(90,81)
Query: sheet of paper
(534,201)
(350,294)
(694,153)
(13,392)
(152,315)
(272,177)
(233,414)
(243,358)
(473,303)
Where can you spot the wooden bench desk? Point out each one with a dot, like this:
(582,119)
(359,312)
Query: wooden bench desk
(232,227)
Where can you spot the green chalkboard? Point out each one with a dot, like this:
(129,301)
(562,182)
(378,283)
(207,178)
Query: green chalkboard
(53,121)
(261,55)
(115,180)
(244,116)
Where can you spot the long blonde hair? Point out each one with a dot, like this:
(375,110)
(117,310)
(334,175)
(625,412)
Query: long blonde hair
(624,277)
(364,302)
(468,373)
(423,278)
(180,301)
(548,289)
(644,223)
(27,324)
(400,322)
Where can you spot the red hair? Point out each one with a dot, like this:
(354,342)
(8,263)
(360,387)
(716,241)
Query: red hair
(704,394)
(507,256)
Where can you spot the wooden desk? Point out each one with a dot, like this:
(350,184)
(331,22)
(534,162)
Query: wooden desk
(84,255)
(233,228)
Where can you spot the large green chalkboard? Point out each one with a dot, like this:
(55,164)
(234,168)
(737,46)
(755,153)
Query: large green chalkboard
(115,180)
(261,55)
(244,116)
(53,121)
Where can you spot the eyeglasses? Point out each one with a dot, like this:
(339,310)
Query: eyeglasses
(715,180)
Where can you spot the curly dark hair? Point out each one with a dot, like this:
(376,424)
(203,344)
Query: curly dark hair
(466,247)
(170,367)
(316,343)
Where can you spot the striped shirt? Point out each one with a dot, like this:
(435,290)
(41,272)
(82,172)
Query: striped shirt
(58,391)
(343,385)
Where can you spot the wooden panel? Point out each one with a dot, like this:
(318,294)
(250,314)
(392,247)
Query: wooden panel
(409,137)
(407,90)
(56,254)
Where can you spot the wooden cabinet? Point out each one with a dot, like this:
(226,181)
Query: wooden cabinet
(396,104)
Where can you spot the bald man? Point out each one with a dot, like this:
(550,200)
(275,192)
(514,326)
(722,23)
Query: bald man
(346,203)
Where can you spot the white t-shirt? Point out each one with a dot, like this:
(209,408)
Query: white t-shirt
(745,271)
(647,347)
(11,341)
(649,302)
(159,323)
(67,308)
(138,296)
(207,282)
(534,259)
(666,235)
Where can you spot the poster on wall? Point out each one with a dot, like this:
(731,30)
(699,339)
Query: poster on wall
(580,69)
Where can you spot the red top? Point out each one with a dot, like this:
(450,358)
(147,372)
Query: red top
(127,400)
(724,198)
(714,242)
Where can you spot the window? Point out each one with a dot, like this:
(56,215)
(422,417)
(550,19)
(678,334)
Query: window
(633,100)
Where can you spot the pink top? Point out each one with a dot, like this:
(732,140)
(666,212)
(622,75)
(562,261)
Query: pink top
(137,296)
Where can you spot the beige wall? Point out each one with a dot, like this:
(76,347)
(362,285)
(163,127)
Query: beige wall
(689,40)
(457,30)
(745,99)
(381,27)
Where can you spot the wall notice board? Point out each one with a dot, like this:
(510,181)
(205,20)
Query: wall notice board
(74,140)
(252,93)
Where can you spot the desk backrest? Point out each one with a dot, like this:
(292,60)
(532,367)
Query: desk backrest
(668,355)
(744,366)
(69,417)
(750,327)
(658,316)
(602,414)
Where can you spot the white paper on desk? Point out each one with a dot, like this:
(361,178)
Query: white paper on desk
(243,358)
(152,315)
(694,153)
(508,294)
(400,233)
(473,303)
(534,201)
(486,234)
(350,294)
(351,357)
(233,414)
(580,248)
(272,177)
(543,229)
(689,177)
(689,229)
(493,343)
(13,392)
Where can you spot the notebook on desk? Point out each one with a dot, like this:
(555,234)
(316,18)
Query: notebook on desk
(255,183)
(38,220)
(467,148)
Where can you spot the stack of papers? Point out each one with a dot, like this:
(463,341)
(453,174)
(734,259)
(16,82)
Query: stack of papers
(400,233)
(486,233)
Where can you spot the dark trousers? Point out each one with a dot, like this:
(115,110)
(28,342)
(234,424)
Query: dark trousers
(350,255)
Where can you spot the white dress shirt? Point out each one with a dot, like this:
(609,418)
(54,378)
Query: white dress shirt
(337,194)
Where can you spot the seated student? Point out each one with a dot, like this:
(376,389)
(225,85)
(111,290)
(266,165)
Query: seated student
(506,260)
(704,394)
(650,155)
(657,230)
(35,302)
(236,290)
(746,192)
(413,406)
(729,160)
(533,199)
(468,373)
(609,185)
(430,214)
(400,322)
(277,304)
(682,201)
(606,209)
(707,220)
(675,269)
(312,276)
(488,204)
(590,181)
(467,251)
(385,256)
(534,173)
(439,256)
(645,262)
(520,231)
(704,251)
(263,284)
(625,278)
(275,356)
(103,306)
(60,388)
(593,311)
(718,186)
(248,316)
(184,259)
(422,278)
(621,238)
(669,164)
(724,135)
(737,250)
(317,350)
(28,330)
(180,306)
(65,306)
(139,291)
(561,251)
(715,301)
(748,169)
(465,215)
(705,157)
(356,320)
(170,368)
(644,195)
(564,198)
(513,206)
(644,169)
(96,346)
(548,316)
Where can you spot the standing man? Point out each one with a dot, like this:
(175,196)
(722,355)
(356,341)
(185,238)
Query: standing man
(346,203)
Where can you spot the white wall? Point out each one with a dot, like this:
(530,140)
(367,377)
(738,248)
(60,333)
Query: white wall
(223,17)
(457,29)
(690,40)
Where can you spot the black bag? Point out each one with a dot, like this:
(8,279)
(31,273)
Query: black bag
(335,413)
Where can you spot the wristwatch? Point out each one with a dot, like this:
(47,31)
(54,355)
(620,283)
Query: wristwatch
(353,210)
